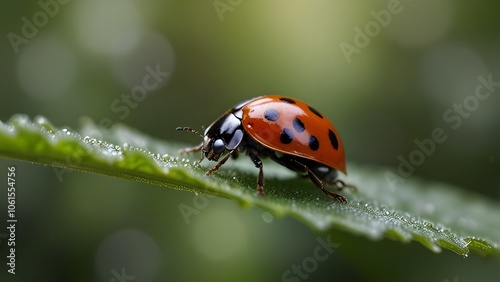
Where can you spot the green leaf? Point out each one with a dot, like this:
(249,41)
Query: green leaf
(435,214)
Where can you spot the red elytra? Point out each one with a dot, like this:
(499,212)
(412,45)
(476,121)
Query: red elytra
(287,130)
(306,125)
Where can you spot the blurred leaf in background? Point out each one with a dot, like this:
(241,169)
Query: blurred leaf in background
(154,65)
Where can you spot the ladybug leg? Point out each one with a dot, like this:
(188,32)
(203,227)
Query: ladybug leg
(321,186)
(189,150)
(329,176)
(315,179)
(220,163)
(260,179)
(192,149)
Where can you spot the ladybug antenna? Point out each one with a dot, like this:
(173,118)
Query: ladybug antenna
(189,129)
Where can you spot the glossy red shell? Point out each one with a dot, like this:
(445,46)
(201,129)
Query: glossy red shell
(312,133)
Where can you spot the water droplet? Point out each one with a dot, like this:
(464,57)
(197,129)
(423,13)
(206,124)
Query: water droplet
(439,228)
(267,217)
(40,120)
(19,119)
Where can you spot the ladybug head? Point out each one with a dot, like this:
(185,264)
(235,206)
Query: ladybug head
(211,148)
(226,133)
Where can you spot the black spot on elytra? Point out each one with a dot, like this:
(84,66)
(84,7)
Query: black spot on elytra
(271,115)
(298,125)
(287,100)
(315,112)
(313,143)
(286,136)
(333,139)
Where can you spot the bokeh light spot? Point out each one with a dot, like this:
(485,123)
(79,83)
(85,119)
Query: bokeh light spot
(109,27)
(449,73)
(154,51)
(219,235)
(130,250)
(421,22)
(46,68)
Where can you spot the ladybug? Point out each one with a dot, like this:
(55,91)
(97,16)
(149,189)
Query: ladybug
(287,130)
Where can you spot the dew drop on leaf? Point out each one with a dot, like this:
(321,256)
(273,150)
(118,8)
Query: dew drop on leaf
(267,217)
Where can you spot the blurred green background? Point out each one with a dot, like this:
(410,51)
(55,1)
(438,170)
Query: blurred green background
(406,65)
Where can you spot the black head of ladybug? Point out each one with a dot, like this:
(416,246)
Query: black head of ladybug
(226,133)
